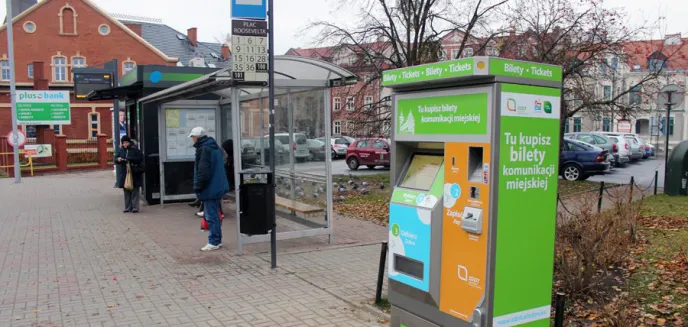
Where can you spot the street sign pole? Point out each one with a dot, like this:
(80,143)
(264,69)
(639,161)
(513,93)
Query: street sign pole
(13,92)
(271,106)
(666,141)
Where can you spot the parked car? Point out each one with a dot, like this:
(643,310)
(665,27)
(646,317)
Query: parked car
(299,144)
(249,155)
(637,148)
(339,146)
(282,154)
(623,147)
(603,142)
(633,145)
(580,160)
(317,149)
(370,152)
(653,149)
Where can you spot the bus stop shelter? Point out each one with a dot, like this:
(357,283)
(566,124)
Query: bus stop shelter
(238,113)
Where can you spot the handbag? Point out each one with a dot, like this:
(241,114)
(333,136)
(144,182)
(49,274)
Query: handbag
(138,168)
(129,179)
(204,223)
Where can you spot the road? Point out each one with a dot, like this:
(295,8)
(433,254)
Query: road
(643,172)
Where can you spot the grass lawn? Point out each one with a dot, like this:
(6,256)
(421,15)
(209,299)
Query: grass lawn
(374,206)
(659,268)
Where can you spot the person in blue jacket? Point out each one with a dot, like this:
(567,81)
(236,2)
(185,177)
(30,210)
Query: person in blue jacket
(210,183)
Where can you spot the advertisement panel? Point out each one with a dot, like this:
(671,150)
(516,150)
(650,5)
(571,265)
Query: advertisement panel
(452,114)
(528,174)
(43,108)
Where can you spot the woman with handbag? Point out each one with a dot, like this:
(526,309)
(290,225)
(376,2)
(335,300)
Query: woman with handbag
(129,161)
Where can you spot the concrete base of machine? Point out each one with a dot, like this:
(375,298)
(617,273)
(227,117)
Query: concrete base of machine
(401,317)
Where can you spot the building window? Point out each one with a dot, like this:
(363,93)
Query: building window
(350,127)
(606,124)
(104,29)
(68,20)
(128,66)
(467,52)
(567,128)
(30,70)
(78,62)
(635,97)
(337,127)
(57,129)
(29,27)
(59,69)
(30,131)
(94,123)
(368,102)
(655,65)
(492,51)
(607,93)
(5,67)
(455,54)
(577,124)
(337,104)
(662,126)
(350,105)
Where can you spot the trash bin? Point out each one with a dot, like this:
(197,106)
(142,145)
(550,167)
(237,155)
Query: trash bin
(677,171)
(257,201)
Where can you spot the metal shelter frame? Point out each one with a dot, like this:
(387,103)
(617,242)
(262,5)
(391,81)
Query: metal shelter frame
(292,74)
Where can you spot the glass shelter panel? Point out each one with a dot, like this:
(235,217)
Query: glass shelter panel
(301,152)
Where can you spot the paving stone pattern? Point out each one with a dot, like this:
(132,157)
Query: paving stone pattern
(70,257)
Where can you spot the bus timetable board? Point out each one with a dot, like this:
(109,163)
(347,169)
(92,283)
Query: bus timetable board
(249,51)
(85,83)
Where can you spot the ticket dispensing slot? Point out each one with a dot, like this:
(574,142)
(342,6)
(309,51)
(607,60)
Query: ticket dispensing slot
(407,266)
(475,164)
(472,220)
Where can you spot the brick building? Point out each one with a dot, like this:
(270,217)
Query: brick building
(355,104)
(51,37)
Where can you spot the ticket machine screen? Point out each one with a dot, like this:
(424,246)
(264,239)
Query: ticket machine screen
(422,171)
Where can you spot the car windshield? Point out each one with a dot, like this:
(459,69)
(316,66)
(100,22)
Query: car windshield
(315,142)
(614,139)
(342,141)
(300,139)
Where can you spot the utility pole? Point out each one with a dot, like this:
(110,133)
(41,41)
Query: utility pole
(666,141)
(271,115)
(13,92)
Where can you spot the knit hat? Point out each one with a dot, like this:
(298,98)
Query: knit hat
(125,138)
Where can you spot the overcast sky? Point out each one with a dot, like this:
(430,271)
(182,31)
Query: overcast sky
(212,17)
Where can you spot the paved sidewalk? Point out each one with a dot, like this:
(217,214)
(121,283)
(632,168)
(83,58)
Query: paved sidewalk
(69,257)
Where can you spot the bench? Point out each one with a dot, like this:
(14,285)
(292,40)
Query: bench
(301,209)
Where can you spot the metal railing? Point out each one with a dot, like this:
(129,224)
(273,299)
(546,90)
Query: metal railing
(29,163)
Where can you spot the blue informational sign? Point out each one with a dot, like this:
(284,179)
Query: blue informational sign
(409,246)
(249,9)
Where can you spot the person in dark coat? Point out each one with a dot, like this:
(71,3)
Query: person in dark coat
(228,146)
(129,153)
(210,183)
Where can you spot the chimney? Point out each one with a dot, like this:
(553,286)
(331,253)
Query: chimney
(40,82)
(192,34)
(225,52)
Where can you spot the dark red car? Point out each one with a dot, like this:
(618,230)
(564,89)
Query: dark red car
(369,152)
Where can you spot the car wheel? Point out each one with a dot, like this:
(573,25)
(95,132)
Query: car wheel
(311,156)
(352,163)
(334,155)
(371,166)
(572,172)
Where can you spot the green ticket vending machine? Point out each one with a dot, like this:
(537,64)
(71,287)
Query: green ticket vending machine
(472,218)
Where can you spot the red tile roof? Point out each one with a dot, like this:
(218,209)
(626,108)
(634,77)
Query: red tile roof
(639,51)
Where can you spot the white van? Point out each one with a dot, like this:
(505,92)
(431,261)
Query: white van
(299,144)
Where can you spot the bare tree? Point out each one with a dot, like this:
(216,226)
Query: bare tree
(592,44)
(394,34)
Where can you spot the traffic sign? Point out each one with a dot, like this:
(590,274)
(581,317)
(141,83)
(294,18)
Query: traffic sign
(623,126)
(19,141)
(678,94)
(251,9)
(249,51)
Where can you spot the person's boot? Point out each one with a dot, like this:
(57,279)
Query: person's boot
(195,204)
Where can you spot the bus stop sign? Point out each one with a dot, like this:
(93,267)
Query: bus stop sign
(249,9)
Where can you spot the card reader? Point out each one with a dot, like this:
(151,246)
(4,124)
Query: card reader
(472,220)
